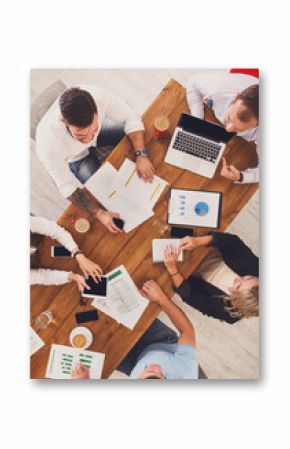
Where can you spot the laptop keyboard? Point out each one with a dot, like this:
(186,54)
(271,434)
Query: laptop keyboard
(197,146)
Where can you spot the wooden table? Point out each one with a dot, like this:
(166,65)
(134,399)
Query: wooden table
(133,249)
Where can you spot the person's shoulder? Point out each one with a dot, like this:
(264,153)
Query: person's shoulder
(185,348)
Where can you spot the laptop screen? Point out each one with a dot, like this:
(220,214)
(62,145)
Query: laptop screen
(204,128)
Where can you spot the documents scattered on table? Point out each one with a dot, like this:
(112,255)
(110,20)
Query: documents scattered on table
(35,341)
(63,359)
(123,303)
(159,246)
(124,192)
(194,208)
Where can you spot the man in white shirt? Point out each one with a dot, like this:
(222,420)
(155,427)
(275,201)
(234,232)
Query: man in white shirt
(238,111)
(67,142)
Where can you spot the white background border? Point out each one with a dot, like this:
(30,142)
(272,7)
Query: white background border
(134,34)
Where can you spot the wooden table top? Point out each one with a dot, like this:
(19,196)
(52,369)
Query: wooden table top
(133,250)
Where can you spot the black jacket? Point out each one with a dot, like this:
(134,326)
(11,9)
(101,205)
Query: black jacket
(204,296)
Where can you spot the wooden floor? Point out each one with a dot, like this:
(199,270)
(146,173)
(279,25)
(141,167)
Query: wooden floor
(225,351)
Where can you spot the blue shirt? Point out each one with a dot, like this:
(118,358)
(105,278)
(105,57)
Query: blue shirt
(177,361)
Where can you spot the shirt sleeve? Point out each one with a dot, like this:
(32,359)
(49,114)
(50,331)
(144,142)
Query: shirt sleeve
(51,229)
(250,175)
(195,95)
(44,276)
(60,172)
(118,110)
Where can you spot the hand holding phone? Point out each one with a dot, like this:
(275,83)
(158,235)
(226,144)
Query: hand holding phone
(119,222)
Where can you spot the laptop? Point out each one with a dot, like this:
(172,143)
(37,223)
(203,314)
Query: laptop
(197,145)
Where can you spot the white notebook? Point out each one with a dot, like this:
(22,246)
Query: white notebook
(159,246)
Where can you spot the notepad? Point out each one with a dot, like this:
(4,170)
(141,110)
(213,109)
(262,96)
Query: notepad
(63,359)
(159,246)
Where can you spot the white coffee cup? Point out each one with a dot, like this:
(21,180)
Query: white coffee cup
(81,337)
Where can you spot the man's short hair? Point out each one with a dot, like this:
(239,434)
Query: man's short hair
(250,98)
(78,107)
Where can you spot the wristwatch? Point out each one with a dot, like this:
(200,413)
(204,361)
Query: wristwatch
(77,252)
(142,152)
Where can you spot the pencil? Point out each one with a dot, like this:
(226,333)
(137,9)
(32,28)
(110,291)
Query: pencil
(112,194)
(154,191)
(130,177)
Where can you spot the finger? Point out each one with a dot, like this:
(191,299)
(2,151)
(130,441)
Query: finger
(224,162)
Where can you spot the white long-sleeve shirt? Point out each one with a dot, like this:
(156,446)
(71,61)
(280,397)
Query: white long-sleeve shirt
(56,147)
(221,101)
(46,227)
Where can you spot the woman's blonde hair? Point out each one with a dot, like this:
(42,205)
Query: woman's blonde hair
(243,304)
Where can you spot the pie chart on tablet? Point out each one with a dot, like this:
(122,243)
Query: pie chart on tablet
(201,209)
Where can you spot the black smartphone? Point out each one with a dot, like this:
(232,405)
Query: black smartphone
(179,233)
(84,317)
(96,288)
(119,222)
(60,251)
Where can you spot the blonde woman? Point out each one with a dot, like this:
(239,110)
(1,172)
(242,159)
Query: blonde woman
(228,301)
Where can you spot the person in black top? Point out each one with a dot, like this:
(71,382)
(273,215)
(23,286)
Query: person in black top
(242,301)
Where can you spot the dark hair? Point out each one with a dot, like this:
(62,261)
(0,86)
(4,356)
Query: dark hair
(250,99)
(77,107)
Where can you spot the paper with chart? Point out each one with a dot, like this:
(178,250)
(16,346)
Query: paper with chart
(62,360)
(123,303)
(35,341)
(159,246)
(194,208)
(124,192)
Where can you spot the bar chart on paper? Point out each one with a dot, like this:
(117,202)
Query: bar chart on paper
(63,359)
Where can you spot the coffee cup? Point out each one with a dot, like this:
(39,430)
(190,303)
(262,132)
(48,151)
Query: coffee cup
(81,337)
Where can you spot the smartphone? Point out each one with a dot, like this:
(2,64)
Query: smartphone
(84,317)
(96,288)
(60,251)
(179,233)
(119,222)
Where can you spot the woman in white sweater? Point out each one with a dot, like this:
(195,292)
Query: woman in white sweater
(42,227)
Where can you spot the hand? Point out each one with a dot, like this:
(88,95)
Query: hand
(170,259)
(153,292)
(145,168)
(230,171)
(80,281)
(190,243)
(89,268)
(80,371)
(106,218)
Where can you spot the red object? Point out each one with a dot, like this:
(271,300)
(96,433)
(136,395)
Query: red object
(158,133)
(73,220)
(251,72)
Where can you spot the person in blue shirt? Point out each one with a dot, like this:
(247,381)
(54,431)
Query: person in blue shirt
(160,353)
(167,360)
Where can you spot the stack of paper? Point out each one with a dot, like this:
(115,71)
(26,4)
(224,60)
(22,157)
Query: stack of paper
(63,359)
(159,246)
(125,192)
(123,303)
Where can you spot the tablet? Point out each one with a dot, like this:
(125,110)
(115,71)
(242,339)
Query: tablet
(195,208)
(97,289)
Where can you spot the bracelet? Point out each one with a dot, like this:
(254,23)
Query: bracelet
(177,272)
